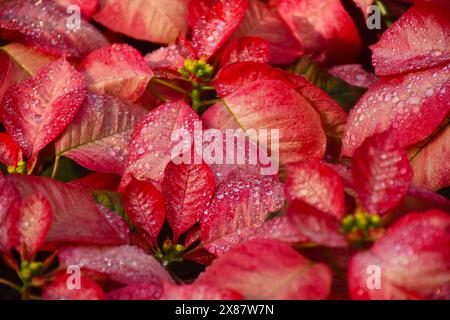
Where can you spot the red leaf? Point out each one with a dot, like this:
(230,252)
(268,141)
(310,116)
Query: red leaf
(318,185)
(354,74)
(151,20)
(430,163)
(240,204)
(10,152)
(166,61)
(144,205)
(216,25)
(36,111)
(267,269)
(118,70)
(381,173)
(413,258)
(143,291)
(124,264)
(325,29)
(260,21)
(419,39)
(87,7)
(99,135)
(198,292)
(246,49)
(42,25)
(273,105)
(59,290)
(9,199)
(151,144)
(34,216)
(187,190)
(75,215)
(315,225)
(97,181)
(197,9)
(412,105)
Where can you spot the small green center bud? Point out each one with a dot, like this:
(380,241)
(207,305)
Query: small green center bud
(21,168)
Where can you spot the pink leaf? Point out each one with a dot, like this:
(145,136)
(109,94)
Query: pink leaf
(412,105)
(97,181)
(246,49)
(75,217)
(36,111)
(260,21)
(59,289)
(34,219)
(273,105)
(239,205)
(381,173)
(325,29)
(151,144)
(151,20)
(198,292)
(267,269)
(118,70)
(315,225)
(42,25)
(10,152)
(9,199)
(187,189)
(318,185)
(216,25)
(354,74)
(124,264)
(99,135)
(419,39)
(87,7)
(430,162)
(144,205)
(413,257)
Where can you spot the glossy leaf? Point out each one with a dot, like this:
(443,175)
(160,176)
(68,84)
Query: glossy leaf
(264,22)
(37,110)
(151,145)
(9,199)
(99,135)
(419,39)
(412,105)
(432,171)
(10,152)
(34,216)
(187,190)
(414,259)
(267,269)
(273,105)
(246,49)
(118,70)
(198,292)
(144,205)
(354,74)
(216,25)
(123,264)
(381,173)
(42,25)
(239,205)
(87,7)
(75,217)
(318,185)
(325,29)
(151,20)
(59,289)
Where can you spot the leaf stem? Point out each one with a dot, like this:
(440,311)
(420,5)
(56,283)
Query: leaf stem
(11,285)
(56,166)
(169,85)
(205,88)
(209,102)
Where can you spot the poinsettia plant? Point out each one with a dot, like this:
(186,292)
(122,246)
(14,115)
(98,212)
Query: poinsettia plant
(212,149)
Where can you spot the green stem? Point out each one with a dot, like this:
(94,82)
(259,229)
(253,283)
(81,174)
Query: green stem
(160,96)
(56,166)
(205,88)
(11,285)
(169,85)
